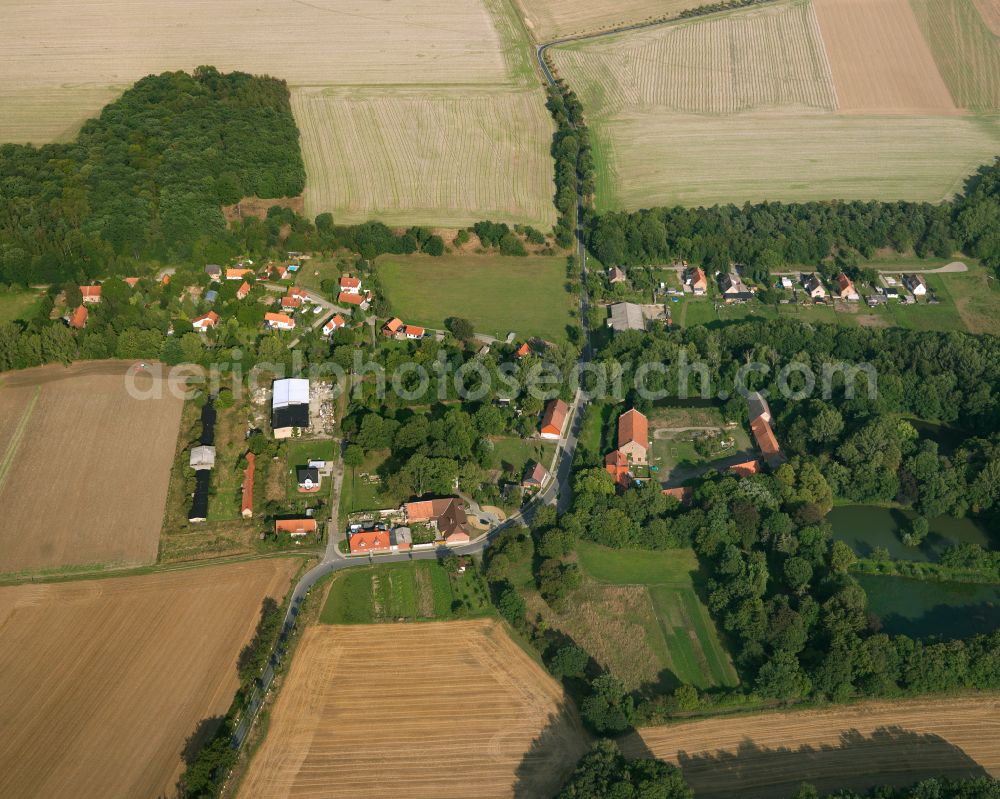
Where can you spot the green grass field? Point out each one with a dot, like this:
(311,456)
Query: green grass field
(684,632)
(357,493)
(411,591)
(299,453)
(517,452)
(497,294)
(16,304)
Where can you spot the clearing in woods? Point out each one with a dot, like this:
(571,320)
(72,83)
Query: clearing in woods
(412,704)
(83,468)
(427,157)
(497,294)
(549,19)
(105,680)
(768,756)
(744,106)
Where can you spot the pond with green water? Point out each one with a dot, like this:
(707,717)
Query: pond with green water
(925,608)
(865,527)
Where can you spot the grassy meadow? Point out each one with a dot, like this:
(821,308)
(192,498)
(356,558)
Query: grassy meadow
(16,304)
(497,294)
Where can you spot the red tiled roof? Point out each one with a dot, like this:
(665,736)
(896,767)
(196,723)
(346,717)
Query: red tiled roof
(699,278)
(295,526)
(350,299)
(633,427)
(211,317)
(416,332)
(373,541)
(765,437)
(291,302)
(616,464)
(295,291)
(243,290)
(555,417)
(745,469)
(79,317)
(392,325)
(279,318)
(350,282)
(681,493)
(448,512)
(523,351)
(247,503)
(90,292)
(131,281)
(236,274)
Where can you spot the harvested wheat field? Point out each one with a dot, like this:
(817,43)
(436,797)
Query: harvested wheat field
(989,10)
(70,49)
(436,710)
(765,58)
(427,156)
(84,468)
(104,680)
(881,62)
(767,756)
(549,19)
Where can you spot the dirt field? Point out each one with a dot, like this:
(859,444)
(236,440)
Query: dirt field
(549,19)
(104,680)
(428,156)
(767,756)
(83,469)
(436,710)
(881,62)
(989,10)
(766,58)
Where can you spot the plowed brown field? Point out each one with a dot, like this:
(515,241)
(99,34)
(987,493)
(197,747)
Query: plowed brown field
(83,469)
(435,710)
(881,62)
(989,10)
(768,756)
(104,680)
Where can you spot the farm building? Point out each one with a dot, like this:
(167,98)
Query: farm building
(91,294)
(202,457)
(289,406)
(279,321)
(78,318)
(295,527)
(626,316)
(446,515)
(554,419)
(246,504)
(205,321)
(767,442)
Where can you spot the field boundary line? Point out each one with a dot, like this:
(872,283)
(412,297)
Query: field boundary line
(15,441)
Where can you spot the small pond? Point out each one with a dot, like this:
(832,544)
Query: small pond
(925,608)
(865,527)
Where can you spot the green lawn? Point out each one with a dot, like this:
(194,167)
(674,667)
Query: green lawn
(411,591)
(498,295)
(299,453)
(359,494)
(16,304)
(685,637)
(516,453)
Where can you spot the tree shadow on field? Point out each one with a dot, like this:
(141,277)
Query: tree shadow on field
(200,738)
(552,756)
(889,756)
(254,654)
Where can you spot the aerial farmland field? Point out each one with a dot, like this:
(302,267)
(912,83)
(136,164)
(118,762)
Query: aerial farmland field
(426,711)
(550,19)
(768,756)
(104,680)
(797,100)
(83,469)
(496,294)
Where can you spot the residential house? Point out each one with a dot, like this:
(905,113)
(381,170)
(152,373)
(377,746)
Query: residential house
(392,327)
(308,479)
(295,527)
(78,318)
(205,321)
(132,282)
(681,493)
(891,293)
(412,332)
(246,504)
(366,542)
(334,325)
(202,457)
(767,442)
(298,293)
(350,285)
(697,281)
(917,284)
(446,515)
(814,287)
(238,274)
(745,469)
(243,291)
(523,351)
(91,294)
(214,271)
(534,476)
(845,288)
(554,419)
(633,437)
(347,298)
(616,464)
(616,275)
(290,303)
(279,321)
(401,539)
(289,406)
(626,316)
(733,288)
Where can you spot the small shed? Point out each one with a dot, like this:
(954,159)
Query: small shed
(202,457)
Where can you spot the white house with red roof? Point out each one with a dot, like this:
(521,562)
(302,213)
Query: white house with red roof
(91,294)
(205,321)
(279,321)
(243,291)
(350,285)
(335,324)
